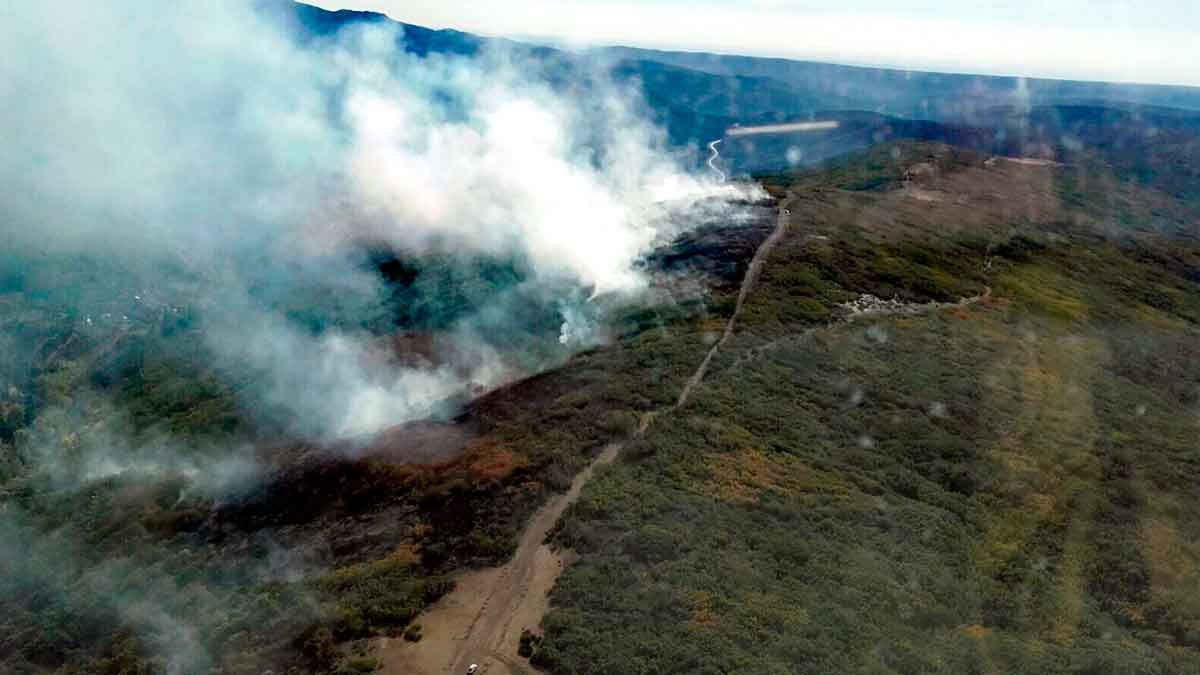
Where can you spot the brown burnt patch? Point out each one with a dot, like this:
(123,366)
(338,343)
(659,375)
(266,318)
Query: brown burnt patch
(424,442)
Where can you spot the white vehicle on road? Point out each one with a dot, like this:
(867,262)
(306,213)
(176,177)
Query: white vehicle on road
(472,669)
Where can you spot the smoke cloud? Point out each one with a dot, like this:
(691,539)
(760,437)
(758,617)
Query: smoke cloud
(203,135)
(199,166)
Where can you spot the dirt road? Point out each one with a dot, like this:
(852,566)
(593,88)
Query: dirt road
(474,622)
(713,159)
(481,620)
(748,282)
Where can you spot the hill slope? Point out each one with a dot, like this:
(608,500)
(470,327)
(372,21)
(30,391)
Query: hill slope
(996,487)
(953,429)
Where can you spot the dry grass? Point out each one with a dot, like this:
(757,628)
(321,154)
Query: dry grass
(1051,471)
(488,461)
(1171,563)
(702,610)
(745,475)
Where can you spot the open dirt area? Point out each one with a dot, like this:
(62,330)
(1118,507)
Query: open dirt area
(481,620)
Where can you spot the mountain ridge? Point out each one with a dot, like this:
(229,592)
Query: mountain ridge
(895,82)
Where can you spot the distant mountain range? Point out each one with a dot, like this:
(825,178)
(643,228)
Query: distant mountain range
(696,97)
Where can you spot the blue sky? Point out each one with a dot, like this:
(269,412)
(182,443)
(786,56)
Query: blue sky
(1119,40)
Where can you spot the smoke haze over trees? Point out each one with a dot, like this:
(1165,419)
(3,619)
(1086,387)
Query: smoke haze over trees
(221,233)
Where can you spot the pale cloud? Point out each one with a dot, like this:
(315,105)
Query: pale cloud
(1111,40)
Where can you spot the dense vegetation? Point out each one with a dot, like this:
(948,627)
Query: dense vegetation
(1000,487)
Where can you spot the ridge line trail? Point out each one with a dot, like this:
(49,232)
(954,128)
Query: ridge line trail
(480,621)
(748,282)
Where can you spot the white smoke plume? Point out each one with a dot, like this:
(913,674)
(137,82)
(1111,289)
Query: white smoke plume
(205,138)
(201,133)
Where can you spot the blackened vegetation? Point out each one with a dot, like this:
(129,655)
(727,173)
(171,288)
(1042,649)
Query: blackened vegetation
(718,251)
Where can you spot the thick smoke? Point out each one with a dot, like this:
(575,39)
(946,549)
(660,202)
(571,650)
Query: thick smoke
(197,163)
(202,134)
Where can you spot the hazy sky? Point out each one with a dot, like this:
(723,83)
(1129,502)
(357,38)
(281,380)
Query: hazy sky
(1120,40)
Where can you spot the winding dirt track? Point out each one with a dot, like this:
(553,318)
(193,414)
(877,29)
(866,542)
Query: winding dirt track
(480,621)
(713,159)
